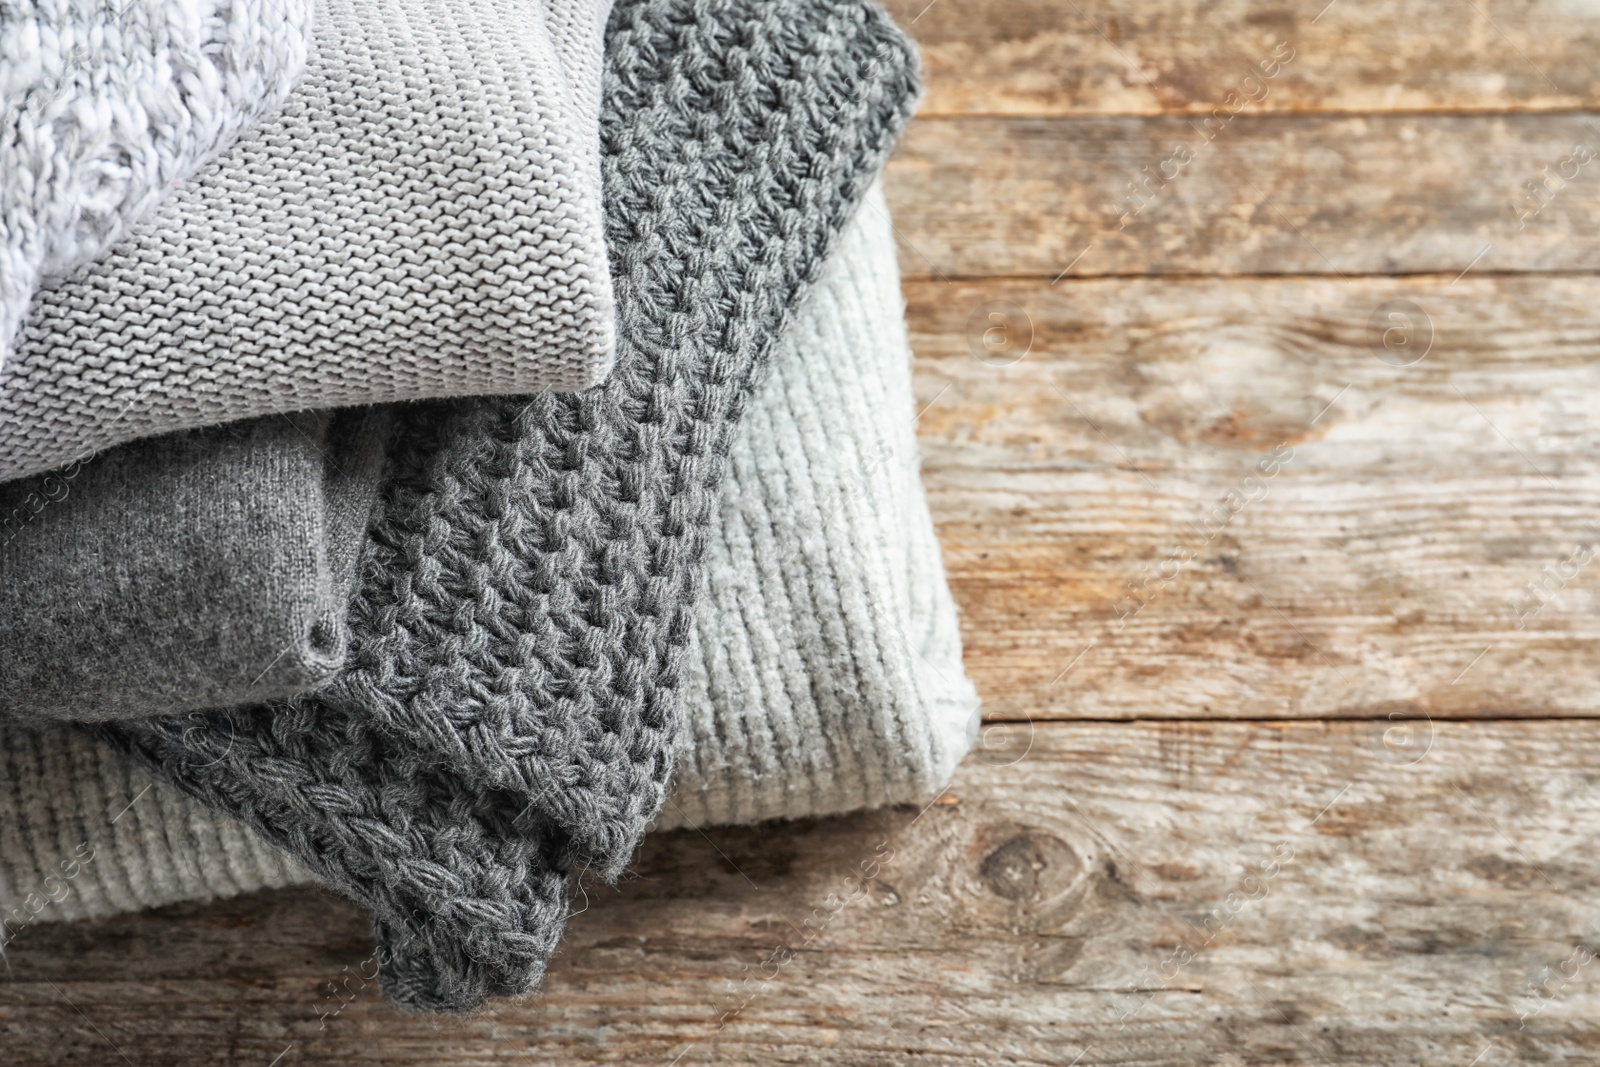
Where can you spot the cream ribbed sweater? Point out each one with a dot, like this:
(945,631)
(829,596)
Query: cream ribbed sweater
(827,675)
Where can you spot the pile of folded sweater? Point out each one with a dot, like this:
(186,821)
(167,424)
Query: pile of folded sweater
(439,441)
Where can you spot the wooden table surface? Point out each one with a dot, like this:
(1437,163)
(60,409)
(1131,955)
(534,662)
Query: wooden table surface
(1268,491)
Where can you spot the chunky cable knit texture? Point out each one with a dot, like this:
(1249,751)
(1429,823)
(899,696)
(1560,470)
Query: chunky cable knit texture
(828,673)
(528,596)
(186,572)
(105,107)
(423,218)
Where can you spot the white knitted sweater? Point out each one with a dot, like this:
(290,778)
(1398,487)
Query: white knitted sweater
(828,673)
(106,106)
(422,218)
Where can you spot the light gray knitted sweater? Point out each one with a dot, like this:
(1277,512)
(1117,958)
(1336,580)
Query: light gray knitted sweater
(827,675)
(827,671)
(422,218)
(106,107)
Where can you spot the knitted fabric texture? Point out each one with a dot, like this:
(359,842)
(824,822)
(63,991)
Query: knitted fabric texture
(510,707)
(187,572)
(75,811)
(105,107)
(841,686)
(827,672)
(423,218)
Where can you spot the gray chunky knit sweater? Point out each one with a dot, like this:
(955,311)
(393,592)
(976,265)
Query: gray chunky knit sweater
(519,632)
(422,218)
(106,107)
(826,674)
(187,572)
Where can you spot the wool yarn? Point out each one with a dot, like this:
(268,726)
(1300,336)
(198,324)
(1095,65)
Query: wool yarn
(421,218)
(187,572)
(106,107)
(79,812)
(827,674)
(509,708)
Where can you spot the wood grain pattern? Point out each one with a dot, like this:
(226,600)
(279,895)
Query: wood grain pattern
(1367,194)
(1082,494)
(1095,57)
(1187,893)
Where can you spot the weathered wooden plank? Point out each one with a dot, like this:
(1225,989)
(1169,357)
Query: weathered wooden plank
(1381,194)
(1091,893)
(1382,562)
(1083,57)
